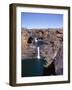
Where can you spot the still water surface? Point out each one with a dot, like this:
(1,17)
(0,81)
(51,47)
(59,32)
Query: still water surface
(32,67)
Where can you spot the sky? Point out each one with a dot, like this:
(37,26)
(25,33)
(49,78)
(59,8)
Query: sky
(38,20)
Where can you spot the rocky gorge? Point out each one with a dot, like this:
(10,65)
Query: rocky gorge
(51,50)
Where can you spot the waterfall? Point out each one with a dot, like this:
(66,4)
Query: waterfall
(38,48)
(38,52)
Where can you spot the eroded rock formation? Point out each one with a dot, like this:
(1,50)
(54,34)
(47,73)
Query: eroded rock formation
(51,50)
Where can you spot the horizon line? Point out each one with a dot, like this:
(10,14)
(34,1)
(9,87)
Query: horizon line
(40,28)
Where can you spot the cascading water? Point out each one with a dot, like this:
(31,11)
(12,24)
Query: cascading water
(38,52)
(38,48)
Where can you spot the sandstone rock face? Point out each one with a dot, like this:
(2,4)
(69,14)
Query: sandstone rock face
(59,62)
(51,50)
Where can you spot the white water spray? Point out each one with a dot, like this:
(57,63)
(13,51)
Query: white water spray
(38,52)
